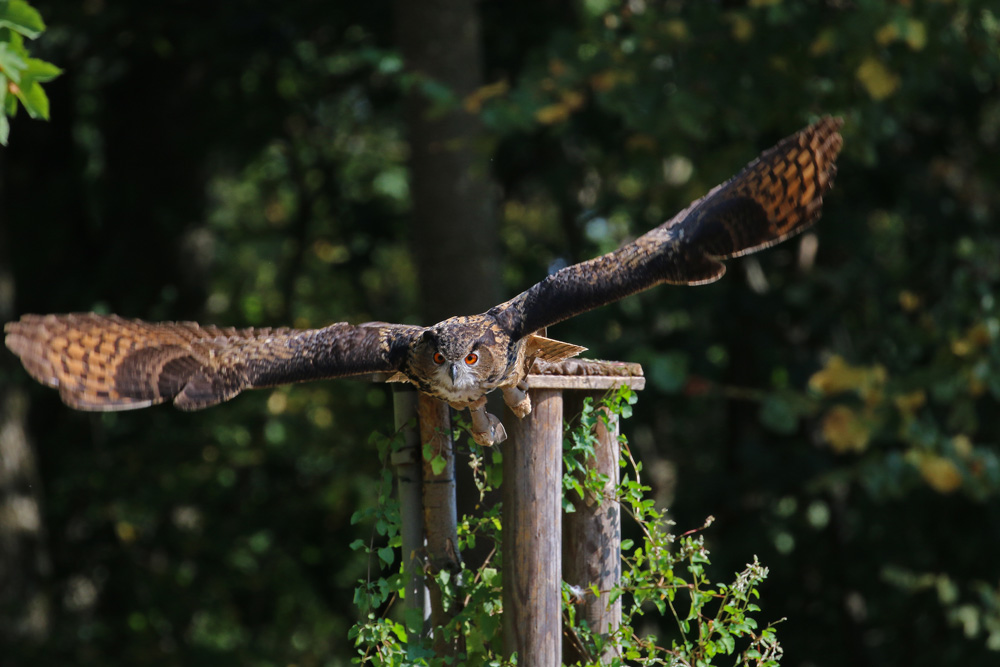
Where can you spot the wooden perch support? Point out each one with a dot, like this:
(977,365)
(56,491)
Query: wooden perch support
(536,537)
(592,535)
(532,543)
(440,512)
(427,506)
(408,475)
(533,555)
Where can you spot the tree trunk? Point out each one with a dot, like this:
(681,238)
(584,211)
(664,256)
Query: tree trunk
(24,606)
(455,230)
(455,237)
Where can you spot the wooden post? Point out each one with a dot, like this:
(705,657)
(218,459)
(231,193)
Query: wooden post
(532,543)
(591,553)
(408,476)
(592,537)
(440,510)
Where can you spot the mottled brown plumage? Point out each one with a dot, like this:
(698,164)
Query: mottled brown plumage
(101,362)
(106,362)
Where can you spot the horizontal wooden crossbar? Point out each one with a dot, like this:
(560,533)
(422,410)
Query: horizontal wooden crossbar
(587,374)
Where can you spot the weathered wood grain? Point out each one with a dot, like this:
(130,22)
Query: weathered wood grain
(532,542)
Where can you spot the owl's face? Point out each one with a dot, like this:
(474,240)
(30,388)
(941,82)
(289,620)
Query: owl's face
(455,360)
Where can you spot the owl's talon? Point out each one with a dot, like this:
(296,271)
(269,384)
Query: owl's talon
(517,399)
(486,428)
(497,432)
(494,435)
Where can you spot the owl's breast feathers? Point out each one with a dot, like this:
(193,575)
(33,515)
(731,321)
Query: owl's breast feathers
(507,363)
(455,338)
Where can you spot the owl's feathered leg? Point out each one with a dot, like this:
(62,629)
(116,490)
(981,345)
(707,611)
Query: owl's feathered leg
(517,399)
(486,428)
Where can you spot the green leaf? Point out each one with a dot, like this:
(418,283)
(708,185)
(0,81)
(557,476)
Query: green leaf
(414,620)
(11,62)
(21,17)
(4,129)
(34,99)
(779,415)
(387,555)
(438,464)
(41,71)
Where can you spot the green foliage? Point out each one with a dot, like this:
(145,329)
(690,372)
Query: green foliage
(378,633)
(21,76)
(714,622)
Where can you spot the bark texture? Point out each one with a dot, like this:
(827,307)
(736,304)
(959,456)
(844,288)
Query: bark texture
(455,229)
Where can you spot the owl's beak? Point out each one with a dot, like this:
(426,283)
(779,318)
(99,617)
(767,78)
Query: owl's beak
(453,372)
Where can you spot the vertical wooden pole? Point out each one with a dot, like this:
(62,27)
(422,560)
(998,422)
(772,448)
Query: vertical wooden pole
(408,475)
(440,511)
(592,537)
(532,520)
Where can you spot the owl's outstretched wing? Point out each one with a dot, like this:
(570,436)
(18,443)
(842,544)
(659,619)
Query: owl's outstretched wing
(105,362)
(776,196)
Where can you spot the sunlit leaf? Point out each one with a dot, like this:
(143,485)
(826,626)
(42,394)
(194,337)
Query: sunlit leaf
(844,430)
(21,17)
(741,27)
(877,79)
(12,63)
(908,404)
(940,473)
(41,71)
(474,102)
(838,376)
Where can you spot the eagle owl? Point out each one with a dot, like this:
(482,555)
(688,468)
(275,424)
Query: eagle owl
(105,362)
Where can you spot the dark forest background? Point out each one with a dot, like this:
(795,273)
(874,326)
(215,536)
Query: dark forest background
(833,402)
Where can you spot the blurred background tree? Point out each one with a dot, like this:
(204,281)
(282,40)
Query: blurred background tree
(832,401)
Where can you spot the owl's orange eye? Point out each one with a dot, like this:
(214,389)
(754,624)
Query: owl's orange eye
(472,358)
(438,358)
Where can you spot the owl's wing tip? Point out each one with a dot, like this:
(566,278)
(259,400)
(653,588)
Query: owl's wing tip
(20,340)
(79,400)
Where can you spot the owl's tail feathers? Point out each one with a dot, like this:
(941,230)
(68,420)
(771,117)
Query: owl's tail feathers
(107,363)
(776,196)
(551,350)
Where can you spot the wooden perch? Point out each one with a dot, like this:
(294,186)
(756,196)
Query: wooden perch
(535,537)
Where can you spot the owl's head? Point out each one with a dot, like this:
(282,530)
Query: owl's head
(455,356)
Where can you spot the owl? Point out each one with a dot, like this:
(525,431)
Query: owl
(106,362)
